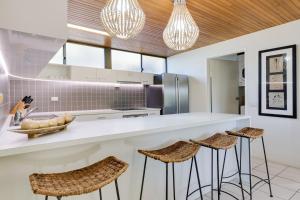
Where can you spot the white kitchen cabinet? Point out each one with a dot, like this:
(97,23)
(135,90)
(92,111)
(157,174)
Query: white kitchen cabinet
(78,73)
(134,77)
(91,117)
(116,115)
(127,76)
(55,72)
(83,74)
(118,76)
(106,76)
(154,112)
(147,78)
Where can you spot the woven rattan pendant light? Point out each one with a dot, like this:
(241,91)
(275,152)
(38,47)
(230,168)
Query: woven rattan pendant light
(123,18)
(182,31)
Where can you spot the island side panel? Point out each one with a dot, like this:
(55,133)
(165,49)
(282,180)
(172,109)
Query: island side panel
(14,170)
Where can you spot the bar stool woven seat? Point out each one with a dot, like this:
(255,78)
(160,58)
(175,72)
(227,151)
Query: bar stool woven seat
(248,132)
(79,181)
(218,141)
(177,152)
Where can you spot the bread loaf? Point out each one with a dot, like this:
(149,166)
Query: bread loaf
(53,122)
(44,123)
(29,124)
(68,117)
(61,121)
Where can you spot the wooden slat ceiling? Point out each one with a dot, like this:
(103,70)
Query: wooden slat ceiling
(218,20)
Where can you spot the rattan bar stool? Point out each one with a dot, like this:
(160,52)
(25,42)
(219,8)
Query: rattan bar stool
(251,134)
(219,142)
(176,153)
(81,181)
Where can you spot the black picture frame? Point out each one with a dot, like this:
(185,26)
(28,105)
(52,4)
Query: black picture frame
(281,90)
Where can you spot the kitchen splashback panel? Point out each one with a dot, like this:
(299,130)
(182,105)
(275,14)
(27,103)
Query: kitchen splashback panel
(76,96)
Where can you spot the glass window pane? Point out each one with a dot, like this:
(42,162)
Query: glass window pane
(85,56)
(58,58)
(122,60)
(154,65)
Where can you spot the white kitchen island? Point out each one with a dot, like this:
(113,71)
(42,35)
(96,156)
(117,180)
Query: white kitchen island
(84,143)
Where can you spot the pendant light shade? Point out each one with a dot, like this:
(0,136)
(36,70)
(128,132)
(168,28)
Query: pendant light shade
(182,31)
(123,18)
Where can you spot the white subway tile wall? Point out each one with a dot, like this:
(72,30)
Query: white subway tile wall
(76,96)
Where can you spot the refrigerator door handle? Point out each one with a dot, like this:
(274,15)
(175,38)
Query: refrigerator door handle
(177,95)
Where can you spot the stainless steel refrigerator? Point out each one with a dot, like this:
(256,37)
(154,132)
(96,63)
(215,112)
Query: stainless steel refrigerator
(170,93)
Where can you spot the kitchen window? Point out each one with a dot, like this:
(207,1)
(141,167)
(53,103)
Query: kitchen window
(85,56)
(90,56)
(155,65)
(127,61)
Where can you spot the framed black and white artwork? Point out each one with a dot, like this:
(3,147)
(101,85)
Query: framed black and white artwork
(277,82)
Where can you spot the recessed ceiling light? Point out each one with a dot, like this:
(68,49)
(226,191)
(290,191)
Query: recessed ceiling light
(82,28)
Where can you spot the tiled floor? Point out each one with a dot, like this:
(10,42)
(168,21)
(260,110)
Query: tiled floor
(285,183)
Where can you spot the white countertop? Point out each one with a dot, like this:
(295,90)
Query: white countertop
(103,111)
(103,130)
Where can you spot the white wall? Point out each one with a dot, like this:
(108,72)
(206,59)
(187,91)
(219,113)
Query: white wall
(43,17)
(282,135)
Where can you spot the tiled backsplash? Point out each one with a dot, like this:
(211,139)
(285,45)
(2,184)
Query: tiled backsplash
(76,96)
(4,89)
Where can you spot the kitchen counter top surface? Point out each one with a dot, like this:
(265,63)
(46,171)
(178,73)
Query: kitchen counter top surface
(103,111)
(98,131)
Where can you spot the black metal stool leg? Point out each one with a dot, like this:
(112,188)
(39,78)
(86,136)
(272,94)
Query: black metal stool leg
(223,167)
(212,174)
(188,188)
(167,179)
(46,197)
(198,177)
(241,150)
(267,167)
(250,168)
(142,187)
(218,175)
(58,198)
(100,194)
(174,191)
(117,189)
(239,171)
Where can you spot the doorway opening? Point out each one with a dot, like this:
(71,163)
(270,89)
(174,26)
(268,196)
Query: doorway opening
(227,84)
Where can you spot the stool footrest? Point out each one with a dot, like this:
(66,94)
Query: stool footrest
(225,192)
(222,191)
(231,175)
(236,186)
(204,186)
(260,179)
(209,185)
(246,174)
